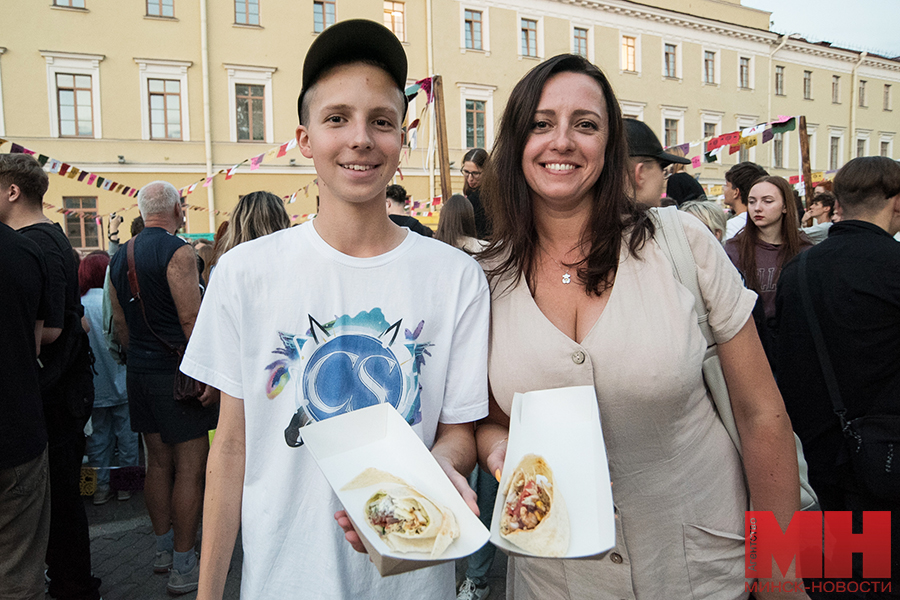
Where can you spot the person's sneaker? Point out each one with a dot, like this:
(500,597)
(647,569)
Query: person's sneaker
(183,583)
(162,562)
(102,496)
(469,591)
(124,495)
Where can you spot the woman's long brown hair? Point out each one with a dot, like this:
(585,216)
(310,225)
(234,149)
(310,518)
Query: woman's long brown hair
(748,238)
(513,251)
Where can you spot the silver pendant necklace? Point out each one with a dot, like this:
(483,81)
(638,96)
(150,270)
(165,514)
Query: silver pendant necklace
(566,278)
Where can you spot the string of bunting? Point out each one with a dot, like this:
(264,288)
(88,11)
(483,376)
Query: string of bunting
(712,148)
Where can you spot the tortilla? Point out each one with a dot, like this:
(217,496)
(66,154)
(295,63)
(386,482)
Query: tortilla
(540,526)
(418,523)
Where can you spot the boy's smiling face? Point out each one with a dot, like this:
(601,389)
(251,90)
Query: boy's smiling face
(353,133)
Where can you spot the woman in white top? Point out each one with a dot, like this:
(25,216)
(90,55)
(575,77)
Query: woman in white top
(457,225)
(583,295)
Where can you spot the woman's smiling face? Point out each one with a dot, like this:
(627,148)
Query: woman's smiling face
(564,154)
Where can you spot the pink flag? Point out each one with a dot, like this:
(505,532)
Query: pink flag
(92,178)
(282,150)
(695,162)
(208,182)
(256,161)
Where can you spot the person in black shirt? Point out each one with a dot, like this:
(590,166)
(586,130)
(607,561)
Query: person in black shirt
(854,286)
(65,409)
(474,162)
(396,207)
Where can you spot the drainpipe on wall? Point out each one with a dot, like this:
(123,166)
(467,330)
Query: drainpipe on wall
(430,158)
(207,138)
(853,102)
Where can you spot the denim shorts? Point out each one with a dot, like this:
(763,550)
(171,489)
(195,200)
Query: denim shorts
(154,409)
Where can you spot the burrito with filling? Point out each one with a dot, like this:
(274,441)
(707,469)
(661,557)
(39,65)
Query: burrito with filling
(407,521)
(534,513)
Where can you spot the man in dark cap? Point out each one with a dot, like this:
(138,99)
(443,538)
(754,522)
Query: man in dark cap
(647,159)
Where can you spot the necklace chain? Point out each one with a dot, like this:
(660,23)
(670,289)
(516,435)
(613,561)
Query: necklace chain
(566,278)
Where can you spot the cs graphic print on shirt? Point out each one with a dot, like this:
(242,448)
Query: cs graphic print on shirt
(347,364)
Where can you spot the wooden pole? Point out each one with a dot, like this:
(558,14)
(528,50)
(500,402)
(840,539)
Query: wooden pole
(443,148)
(804,161)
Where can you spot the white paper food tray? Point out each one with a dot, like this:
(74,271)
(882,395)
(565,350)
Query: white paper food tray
(563,426)
(377,436)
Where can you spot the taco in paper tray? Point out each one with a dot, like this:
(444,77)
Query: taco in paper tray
(534,513)
(405,519)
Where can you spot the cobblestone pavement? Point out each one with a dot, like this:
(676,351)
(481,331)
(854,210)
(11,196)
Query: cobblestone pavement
(123,547)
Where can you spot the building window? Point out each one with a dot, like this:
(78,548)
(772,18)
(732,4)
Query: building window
(629,53)
(669,64)
(165,109)
(860,148)
(475,121)
(862,92)
(251,112)
(75,101)
(807,85)
(580,41)
(246,12)
(834,153)
(473,29)
(709,130)
(161,8)
(81,228)
(835,89)
(887,97)
(778,151)
(744,72)
(885,148)
(779,81)
(323,15)
(69,3)
(393,19)
(671,132)
(529,37)
(709,67)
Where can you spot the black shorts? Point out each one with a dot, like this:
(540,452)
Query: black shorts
(154,409)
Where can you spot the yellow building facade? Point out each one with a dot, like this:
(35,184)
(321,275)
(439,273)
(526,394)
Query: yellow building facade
(181,89)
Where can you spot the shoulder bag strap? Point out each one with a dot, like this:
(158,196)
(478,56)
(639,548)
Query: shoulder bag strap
(824,360)
(136,293)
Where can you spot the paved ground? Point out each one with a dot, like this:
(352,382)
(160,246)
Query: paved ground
(123,546)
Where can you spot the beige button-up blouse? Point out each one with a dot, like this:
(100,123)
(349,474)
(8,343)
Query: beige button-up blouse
(678,483)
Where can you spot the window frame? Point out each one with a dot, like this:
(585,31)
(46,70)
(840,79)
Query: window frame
(247,4)
(68,4)
(78,64)
(807,84)
(588,40)
(250,98)
(80,212)
(165,95)
(160,15)
(485,28)
(861,93)
(835,160)
(74,89)
(751,72)
(672,113)
(538,33)
(743,122)
(783,140)
(637,51)
(481,93)
(250,75)
(716,68)
(469,32)
(150,68)
(324,4)
(835,89)
(402,35)
(887,98)
(676,60)
(886,138)
(710,117)
(779,80)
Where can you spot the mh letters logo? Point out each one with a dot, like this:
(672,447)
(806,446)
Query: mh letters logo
(802,541)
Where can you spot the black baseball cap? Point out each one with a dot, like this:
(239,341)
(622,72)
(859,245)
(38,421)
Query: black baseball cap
(643,142)
(348,41)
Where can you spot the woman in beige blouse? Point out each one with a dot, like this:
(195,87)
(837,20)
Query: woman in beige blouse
(582,294)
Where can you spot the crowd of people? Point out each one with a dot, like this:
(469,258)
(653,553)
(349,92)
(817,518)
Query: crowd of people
(547,272)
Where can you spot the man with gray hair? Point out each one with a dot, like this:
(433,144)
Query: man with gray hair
(176,433)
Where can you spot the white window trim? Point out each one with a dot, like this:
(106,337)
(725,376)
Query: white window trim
(717,65)
(149,68)
(78,64)
(752,74)
(834,132)
(249,75)
(485,93)
(485,29)
(632,108)
(2,119)
(678,53)
(890,97)
(672,112)
(743,122)
(540,35)
(785,152)
(713,117)
(637,51)
(590,38)
(840,89)
(889,138)
(864,135)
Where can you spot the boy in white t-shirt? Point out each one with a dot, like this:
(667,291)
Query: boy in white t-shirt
(342,312)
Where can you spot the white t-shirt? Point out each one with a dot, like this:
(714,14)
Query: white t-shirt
(294,327)
(735,225)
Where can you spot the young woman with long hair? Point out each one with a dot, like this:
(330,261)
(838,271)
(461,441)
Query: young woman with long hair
(256,214)
(582,294)
(457,225)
